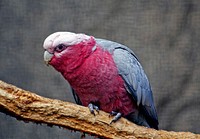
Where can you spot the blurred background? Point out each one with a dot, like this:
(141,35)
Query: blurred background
(163,34)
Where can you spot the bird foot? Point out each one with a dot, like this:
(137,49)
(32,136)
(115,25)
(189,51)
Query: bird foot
(117,116)
(93,107)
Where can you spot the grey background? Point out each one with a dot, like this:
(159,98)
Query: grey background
(163,34)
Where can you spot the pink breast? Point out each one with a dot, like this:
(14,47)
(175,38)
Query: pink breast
(97,81)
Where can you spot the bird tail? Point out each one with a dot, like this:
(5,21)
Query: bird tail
(139,119)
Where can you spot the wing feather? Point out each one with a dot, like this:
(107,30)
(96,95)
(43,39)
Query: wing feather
(76,97)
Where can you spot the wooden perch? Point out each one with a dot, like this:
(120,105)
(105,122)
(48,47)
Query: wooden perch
(28,106)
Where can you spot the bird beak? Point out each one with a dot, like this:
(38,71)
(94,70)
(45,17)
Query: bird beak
(47,57)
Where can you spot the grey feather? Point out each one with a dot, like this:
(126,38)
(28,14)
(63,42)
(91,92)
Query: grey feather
(76,98)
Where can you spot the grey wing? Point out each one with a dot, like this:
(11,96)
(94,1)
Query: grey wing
(76,98)
(136,83)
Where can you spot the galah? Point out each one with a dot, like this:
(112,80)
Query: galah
(103,75)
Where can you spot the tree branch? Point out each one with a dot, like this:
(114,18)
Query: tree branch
(28,106)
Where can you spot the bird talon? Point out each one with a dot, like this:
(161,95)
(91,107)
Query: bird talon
(96,108)
(112,113)
(93,107)
(117,116)
(92,112)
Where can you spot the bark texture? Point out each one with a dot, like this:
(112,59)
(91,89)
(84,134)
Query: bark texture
(28,106)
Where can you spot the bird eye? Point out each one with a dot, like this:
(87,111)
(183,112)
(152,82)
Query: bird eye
(60,47)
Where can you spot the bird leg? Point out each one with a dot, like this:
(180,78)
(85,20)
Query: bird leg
(117,116)
(93,107)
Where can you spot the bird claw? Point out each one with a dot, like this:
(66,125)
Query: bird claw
(93,107)
(117,116)
(113,113)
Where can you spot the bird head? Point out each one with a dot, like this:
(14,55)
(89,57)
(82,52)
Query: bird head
(66,49)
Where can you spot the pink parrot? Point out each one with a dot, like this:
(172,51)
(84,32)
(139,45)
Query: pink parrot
(103,75)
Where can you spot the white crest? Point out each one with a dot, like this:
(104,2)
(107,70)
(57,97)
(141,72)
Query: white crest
(66,38)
